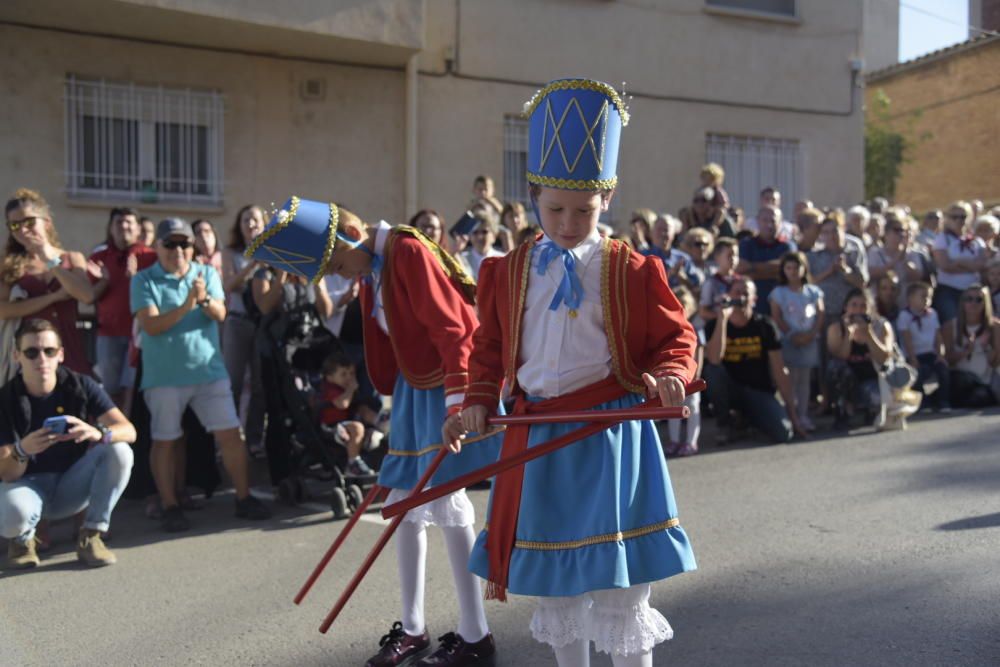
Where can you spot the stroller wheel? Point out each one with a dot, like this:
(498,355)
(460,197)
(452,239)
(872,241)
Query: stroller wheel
(354,496)
(290,491)
(338,503)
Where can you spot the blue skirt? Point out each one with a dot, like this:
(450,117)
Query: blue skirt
(415,439)
(597,514)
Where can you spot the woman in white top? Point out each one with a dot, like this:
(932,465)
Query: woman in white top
(239,330)
(959,259)
(482,237)
(972,344)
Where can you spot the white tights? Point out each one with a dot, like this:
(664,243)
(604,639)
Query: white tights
(693,402)
(411,552)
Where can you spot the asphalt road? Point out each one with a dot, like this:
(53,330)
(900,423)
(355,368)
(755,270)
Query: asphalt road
(876,549)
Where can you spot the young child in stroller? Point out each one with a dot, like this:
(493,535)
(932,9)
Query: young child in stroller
(342,418)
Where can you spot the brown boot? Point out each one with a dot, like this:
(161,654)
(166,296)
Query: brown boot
(90,549)
(22,555)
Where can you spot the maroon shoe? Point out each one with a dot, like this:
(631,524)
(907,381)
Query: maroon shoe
(456,652)
(398,647)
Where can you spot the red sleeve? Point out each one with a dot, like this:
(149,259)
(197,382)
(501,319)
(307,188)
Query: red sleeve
(670,339)
(486,363)
(146,257)
(439,306)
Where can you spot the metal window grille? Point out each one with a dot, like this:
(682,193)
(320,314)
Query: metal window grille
(515,160)
(143,143)
(754,163)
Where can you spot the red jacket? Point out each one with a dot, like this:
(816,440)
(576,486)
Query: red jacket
(643,320)
(428,307)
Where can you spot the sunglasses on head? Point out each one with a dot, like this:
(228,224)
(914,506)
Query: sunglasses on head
(14,225)
(33,352)
(173,245)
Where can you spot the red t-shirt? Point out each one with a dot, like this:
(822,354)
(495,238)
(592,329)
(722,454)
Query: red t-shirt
(114,316)
(330,415)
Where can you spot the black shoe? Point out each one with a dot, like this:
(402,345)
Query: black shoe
(251,508)
(174,521)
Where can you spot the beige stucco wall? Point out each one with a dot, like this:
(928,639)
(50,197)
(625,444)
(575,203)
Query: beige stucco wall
(949,108)
(661,48)
(347,147)
(351,146)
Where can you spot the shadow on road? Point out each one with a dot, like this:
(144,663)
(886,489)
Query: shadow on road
(973,522)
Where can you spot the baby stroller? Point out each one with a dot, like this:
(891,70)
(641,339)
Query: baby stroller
(293,345)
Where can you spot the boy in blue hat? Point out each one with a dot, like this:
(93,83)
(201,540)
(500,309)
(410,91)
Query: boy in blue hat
(572,321)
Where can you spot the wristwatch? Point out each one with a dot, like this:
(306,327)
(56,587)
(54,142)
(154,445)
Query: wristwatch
(206,302)
(19,454)
(105,434)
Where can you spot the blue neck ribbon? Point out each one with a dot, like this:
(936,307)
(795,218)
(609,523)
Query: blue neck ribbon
(570,290)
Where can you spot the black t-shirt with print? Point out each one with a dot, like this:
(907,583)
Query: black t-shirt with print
(747,350)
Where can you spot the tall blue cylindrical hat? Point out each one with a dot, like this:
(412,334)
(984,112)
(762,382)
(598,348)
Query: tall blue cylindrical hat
(299,238)
(574,126)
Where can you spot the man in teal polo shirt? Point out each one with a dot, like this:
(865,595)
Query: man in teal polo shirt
(178,304)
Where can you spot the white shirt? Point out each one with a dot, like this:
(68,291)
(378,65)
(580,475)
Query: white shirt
(337,287)
(471,260)
(922,331)
(561,354)
(952,245)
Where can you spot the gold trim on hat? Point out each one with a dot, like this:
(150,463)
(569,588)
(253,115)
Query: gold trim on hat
(578,84)
(331,241)
(267,234)
(573,184)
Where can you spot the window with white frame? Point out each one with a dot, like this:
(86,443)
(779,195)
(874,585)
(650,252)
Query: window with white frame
(754,163)
(515,160)
(126,142)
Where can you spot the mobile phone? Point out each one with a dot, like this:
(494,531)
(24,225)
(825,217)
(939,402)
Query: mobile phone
(57,425)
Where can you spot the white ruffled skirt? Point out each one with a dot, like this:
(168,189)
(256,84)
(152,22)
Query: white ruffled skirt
(455,509)
(618,621)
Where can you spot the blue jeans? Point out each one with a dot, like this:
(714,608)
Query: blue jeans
(94,482)
(760,408)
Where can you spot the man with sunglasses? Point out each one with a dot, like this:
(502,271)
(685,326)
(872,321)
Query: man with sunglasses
(178,304)
(55,469)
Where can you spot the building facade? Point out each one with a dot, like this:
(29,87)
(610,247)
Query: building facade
(196,107)
(946,103)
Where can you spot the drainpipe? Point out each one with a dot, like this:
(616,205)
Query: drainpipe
(410,125)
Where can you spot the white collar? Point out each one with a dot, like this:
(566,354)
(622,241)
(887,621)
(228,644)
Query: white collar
(584,252)
(381,236)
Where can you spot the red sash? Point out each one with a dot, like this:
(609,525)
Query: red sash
(507,490)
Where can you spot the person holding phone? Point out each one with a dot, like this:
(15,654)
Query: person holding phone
(64,448)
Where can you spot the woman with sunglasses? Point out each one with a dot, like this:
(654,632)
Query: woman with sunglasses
(53,278)
(972,344)
(959,259)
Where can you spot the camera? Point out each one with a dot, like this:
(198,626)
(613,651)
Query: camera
(862,318)
(728,302)
(57,425)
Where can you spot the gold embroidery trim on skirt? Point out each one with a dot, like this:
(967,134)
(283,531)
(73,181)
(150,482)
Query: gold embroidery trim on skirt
(596,539)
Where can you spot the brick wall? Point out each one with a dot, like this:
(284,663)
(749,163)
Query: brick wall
(958,100)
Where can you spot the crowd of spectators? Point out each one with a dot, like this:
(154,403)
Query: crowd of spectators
(867,312)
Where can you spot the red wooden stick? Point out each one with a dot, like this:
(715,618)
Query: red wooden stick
(377,549)
(590,416)
(375,491)
(476,476)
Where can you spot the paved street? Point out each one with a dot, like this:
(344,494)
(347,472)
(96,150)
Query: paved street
(868,550)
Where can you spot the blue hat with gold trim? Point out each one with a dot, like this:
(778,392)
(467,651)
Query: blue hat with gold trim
(574,126)
(299,238)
